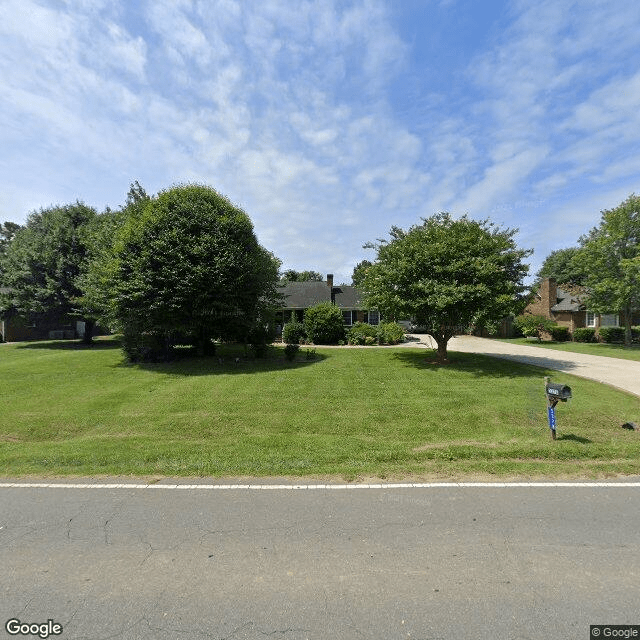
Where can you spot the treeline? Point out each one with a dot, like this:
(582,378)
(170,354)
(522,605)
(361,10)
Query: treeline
(181,267)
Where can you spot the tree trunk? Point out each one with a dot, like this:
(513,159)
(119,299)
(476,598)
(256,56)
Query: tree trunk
(205,346)
(442,350)
(626,318)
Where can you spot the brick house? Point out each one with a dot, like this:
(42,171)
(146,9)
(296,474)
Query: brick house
(565,305)
(299,296)
(15,328)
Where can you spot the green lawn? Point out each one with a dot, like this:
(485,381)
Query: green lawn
(591,348)
(352,413)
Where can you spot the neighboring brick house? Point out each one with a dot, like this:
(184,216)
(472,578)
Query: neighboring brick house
(299,296)
(14,328)
(565,305)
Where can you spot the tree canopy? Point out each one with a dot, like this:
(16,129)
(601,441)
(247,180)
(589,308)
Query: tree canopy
(291,275)
(448,275)
(101,233)
(44,260)
(610,256)
(7,233)
(563,267)
(359,272)
(189,262)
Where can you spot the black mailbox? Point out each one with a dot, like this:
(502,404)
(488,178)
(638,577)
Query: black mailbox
(560,392)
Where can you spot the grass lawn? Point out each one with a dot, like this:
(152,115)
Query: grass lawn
(591,348)
(352,413)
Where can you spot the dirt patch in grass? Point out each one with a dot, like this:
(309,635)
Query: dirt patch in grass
(463,443)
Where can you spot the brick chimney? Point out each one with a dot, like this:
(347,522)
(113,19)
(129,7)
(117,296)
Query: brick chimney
(330,280)
(549,296)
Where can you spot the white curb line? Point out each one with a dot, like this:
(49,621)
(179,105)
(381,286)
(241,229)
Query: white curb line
(312,487)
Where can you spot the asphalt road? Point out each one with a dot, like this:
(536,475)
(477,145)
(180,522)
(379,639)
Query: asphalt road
(421,563)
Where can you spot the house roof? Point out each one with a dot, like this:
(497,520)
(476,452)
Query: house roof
(569,300)
(302,295)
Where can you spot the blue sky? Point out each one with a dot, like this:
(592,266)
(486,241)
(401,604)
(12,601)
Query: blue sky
(327,122)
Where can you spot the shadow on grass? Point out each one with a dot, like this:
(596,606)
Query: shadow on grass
(481,365)
(99,343)
(229,360)
(574,438)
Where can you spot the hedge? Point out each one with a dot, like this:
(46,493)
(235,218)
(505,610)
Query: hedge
(611,334)
(560,334)
(584,334)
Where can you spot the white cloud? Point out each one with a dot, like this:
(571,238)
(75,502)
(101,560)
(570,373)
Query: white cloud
(288,112)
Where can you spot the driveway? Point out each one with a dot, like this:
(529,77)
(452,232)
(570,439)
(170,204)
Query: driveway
(623,374)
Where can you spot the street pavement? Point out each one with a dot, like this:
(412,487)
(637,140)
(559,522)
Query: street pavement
(449,563)
(623,374)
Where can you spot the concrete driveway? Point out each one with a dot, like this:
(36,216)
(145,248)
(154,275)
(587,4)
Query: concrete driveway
(623,374)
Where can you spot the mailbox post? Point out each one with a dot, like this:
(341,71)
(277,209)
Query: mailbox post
(555,393)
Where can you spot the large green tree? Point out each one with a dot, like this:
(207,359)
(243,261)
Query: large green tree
(291,275)
(562,265)
(101,233)
(8,231)
(44,261)
(448,275)
(359,272)
(610,255)
(189,262)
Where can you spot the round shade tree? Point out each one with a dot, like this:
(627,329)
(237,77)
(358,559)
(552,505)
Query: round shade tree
(189,264)
(448,275)
(610,257)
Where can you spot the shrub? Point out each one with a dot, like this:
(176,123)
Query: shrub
(360,331)
(531,325)
(584,334)
(560,334)
(290,351)
(323,323)
(516,331)
(611,334)
(293,332)
(145,346)
(390,333)
(635,334)
(259,338)
(369,340)
(259,349)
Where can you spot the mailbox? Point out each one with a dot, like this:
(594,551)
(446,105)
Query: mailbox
(556,391)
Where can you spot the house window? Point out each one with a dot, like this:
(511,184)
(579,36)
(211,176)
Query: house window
(610,320)
(591,319)
(346,318)
(374,317)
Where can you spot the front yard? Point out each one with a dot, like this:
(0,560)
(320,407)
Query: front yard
(350,413)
